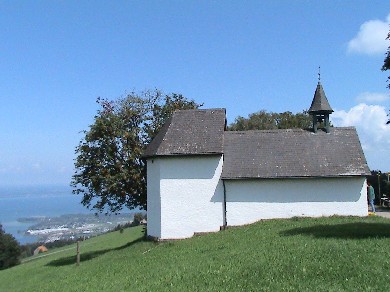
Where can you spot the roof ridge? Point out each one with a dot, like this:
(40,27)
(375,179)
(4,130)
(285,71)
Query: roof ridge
(270,131)
(202,109)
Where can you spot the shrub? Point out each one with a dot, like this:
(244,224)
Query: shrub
(10,250)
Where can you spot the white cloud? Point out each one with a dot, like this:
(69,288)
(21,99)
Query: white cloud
(370,122)
(371,38)
(372,97)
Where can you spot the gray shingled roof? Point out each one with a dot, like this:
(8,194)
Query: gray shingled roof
(293,153)
(190,132)
(320,102)
(261,154)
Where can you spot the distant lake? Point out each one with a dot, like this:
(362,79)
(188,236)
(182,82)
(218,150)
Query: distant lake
(49,201)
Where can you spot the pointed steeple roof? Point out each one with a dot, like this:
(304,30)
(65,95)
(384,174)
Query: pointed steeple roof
(320,102)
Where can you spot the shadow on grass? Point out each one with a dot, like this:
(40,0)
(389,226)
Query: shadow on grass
(71,260)
(357,230)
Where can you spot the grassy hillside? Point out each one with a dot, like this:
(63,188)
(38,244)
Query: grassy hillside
(326,254)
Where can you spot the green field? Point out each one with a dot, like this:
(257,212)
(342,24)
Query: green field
(325,254)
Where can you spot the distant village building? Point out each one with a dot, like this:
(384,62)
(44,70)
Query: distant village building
(202,178)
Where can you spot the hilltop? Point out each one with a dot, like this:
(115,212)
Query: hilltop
(297,254)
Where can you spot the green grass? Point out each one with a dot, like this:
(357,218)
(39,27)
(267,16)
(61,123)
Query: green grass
(324,254)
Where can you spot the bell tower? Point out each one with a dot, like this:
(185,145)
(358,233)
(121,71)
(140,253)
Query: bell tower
(320,108)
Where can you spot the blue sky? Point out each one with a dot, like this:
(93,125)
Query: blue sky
(57,57)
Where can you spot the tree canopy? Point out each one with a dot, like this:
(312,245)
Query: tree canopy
(386,63)
(263,120)
(109,170)
(9,250)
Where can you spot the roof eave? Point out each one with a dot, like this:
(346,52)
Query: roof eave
(182,154)
(295,177)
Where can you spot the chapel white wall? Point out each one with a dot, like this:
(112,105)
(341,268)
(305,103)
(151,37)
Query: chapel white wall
(153,198)
(190,196)
(251,200)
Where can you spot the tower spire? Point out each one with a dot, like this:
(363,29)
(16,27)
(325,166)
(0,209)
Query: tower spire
(320,108)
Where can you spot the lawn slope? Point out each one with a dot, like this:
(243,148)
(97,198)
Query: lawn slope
(324,254)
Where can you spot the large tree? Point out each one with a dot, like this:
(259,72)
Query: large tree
(9,250)
(263,120)
(110,173)
(386,65)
